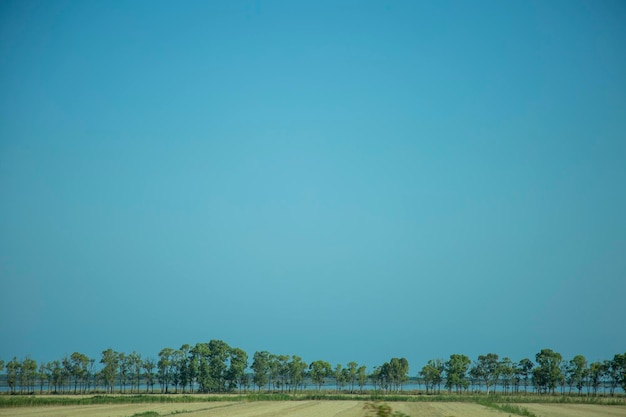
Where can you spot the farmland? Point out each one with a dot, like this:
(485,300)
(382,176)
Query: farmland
(242,406)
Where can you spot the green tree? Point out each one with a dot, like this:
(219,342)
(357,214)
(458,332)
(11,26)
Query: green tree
(43,376)
(110,361)
(506,371)
(576,373)
(134,366)
(595,374)
(211,365)
(456,372)
(164,366)
(200,356)
(185,367)
(78,368)
(525,369)
(338,375)
(124,370)
(394,373)
(13,370)
(283,371)
(28,374)
(218,355)
(260,367)
(432,374)
(361,376)
(475,376)
(619,369)
(297,372)
(237,369)
(178,360)
(319,371)
(487,369)
(193,369)
(352,368)
(274,370)
(548,373)
(55,373)
(149,365)
(378,377)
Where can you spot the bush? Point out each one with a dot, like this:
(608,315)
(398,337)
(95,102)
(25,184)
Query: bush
(380,409)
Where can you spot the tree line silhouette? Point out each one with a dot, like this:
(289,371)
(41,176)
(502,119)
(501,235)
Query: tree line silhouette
(216,367)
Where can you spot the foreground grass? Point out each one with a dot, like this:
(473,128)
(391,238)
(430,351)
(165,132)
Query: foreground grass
(501,402)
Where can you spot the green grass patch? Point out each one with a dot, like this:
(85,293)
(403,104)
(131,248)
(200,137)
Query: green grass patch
(7,401)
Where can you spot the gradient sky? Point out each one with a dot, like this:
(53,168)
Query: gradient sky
(352,180)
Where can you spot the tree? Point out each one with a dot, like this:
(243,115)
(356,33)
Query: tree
(184,367)
(13,370)
(164,366)
(42,374)
(525,368)
(177,362)
(394,373)
(297,372)
(577,369)
(78,368)
(619,365)
(595,374)
(487,369)
(200,356)
(260,367)
(124,368)
(432,373)
(506,371)
(237,368)
(377,377)
(193,368)
(282,364)
(612,375)
(28,374)
(352,374)
(274,370)
(319,370)
(548,372)
(338,375)
(110,360)
(361,376)
(56,374)
(148,366)
(134,366)
(218,355)
(456,372)
(211,365)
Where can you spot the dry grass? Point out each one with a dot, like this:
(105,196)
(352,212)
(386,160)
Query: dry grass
(576,410)
(306,408)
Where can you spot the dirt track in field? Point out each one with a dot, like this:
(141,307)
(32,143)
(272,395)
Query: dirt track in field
(309,409)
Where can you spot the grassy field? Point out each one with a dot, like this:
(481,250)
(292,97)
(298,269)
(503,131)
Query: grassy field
(271,405)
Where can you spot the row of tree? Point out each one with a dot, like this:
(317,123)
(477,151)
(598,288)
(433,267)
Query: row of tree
(217,367)
(548,373)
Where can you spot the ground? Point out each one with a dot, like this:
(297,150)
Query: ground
(309,409)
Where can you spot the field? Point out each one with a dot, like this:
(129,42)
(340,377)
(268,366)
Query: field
(253,409)
(306,408)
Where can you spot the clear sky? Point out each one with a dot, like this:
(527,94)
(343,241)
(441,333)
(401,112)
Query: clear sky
(341,180)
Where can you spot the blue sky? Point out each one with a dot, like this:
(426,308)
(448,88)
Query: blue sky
(338,180)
